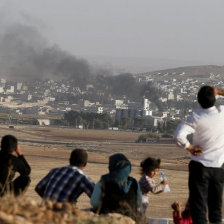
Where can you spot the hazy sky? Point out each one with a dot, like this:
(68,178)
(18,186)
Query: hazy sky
(181,31)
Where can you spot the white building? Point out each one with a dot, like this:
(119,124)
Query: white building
(19,85)
(3,81)
(179,98)
(146,111)
(43,122)
(87,103)
(29,97)
(2,89)
(162,99)
(11,89)
(170,96)
(119,103)
(100,110)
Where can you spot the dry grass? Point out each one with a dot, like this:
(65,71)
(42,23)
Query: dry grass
(27,211)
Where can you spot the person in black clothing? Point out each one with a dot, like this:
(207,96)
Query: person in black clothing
(12,161)
(117,191)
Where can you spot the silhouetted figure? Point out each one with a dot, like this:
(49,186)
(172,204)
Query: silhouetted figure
(66,184)
(206,175)
(117,191)
(12,161)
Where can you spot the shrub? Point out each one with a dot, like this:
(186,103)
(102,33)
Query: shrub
(148,137)
(167,135)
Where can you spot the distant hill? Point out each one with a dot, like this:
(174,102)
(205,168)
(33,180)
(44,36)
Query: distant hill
(203,71)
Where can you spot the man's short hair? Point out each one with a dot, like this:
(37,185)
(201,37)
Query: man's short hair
(78,157)
(206,97)
(8,143)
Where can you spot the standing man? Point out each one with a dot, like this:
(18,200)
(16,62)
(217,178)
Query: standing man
(206,172)
(12,161)
(67,183)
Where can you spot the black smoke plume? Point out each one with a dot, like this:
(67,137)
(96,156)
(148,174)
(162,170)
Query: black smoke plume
(26,55)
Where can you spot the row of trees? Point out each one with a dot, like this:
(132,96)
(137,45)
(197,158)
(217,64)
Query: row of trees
(90,120)
(145,124)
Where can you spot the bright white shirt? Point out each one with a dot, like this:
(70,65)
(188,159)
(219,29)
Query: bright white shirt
(207,127)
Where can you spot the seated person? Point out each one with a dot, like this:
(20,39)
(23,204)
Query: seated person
(12,161)
(66,184)
(117,191)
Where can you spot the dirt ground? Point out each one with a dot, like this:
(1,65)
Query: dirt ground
(46,148)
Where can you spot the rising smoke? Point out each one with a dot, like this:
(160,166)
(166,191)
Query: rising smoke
(26,55)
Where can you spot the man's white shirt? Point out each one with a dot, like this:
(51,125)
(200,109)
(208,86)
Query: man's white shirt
(207,127)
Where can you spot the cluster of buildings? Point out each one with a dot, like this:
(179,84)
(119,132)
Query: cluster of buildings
(57,97)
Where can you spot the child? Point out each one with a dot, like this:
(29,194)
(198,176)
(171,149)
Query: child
(149,168)
(181,217)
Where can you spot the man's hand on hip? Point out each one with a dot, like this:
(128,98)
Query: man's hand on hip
(194,150)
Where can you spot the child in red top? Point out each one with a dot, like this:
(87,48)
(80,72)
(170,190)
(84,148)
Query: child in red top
(181,217)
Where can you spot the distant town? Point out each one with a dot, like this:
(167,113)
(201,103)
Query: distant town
(164,97)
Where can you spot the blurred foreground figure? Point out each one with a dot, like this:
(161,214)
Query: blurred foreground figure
(66,184)
(179,216)
(117,191)
(206,172)
(12,161)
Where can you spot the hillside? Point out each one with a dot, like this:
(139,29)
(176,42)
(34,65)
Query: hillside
(202,71)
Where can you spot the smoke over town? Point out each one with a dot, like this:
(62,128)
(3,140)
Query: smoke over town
(25,55)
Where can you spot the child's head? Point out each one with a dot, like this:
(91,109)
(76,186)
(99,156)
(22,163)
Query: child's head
(176,206)
(150,166)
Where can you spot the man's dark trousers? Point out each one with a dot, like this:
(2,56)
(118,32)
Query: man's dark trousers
(206,189)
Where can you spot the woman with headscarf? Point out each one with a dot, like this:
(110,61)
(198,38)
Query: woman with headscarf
(117,191)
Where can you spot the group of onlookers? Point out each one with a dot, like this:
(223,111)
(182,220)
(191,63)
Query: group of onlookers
(117,191)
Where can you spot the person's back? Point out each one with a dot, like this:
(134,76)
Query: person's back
(10,164)
(7,170)
(206,125)
(206,174)
(209,135)
(116,200)
(67,183)
(117,191)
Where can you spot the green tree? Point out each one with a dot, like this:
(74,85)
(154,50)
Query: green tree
(126,123)
(171,125)
(88,119)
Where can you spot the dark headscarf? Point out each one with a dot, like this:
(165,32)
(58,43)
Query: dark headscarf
(119,170)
